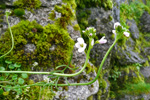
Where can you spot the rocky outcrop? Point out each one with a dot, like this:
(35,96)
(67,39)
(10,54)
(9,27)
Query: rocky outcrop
(145,22)
(41,16)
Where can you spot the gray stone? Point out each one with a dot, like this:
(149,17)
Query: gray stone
(145,22)
(133,29)
(41,15)
(29,48)
(127,55)
(103,25)
(145,71)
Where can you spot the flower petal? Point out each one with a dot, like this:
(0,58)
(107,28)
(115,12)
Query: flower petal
(102,40)
(92,42)
(114,31)
(77,45)
(80,49)
(117,24)
(80,40)
(126,34)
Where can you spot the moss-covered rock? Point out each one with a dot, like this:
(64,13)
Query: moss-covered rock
(28,4)
(44,38)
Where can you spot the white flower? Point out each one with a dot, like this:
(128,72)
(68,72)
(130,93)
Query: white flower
(102,40)
(8,11)
(35,64)
(92,42)
(116,25)
(114,31)
(80,45)
(126,34)
(83,31)
(46,79)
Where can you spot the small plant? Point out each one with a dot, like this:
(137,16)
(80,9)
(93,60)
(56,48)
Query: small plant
(138,66)
(13,80)
(115,75)
(137,89)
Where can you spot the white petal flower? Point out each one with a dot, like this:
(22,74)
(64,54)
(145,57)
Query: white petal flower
(117,24)
(80,45)
(83,31)
(114,31)
(92,42)
(126,34)
(46,79)
(102,40)
(35,64)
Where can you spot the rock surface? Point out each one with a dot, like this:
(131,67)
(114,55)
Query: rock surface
(145,22)
(41,15)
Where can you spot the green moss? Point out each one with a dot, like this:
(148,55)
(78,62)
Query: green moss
(148,58)
(1,16)
(131,75)
(71,2)
(2,6)
(90,98)
(19,12)
(52,15)
(28,4)
(76,27)
(67,15)
(37,92)
(146,64)
(81,4)
(99,95)
(43,38)
(90,68)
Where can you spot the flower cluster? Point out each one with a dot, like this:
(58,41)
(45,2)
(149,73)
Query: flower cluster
(91,33)
(125,33)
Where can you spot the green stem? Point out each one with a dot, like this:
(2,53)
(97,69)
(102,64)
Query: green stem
(57,74)
(75,84)
(12,39)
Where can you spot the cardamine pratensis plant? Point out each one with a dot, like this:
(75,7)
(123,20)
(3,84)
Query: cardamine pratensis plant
(120,34)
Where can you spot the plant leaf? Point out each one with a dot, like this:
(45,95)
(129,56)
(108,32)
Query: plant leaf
(24,75)
(11,66)
(2,78)
(14,77)
(8,62)
(20,81)
(1,91)
(2,69)
(17,65)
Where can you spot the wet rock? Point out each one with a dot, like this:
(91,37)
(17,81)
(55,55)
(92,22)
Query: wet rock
(145,23)
(133,29)
(116,10)
(103,25)
(127,56)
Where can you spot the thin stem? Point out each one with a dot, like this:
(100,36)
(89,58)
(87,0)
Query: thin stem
(12,39)
(75,84)
(57,74)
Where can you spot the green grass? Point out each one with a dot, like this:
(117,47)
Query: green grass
(137,89)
